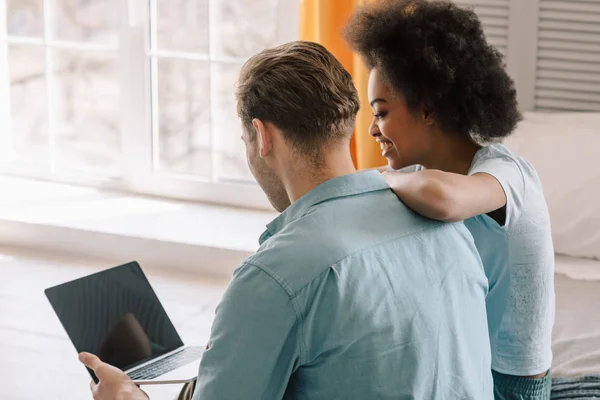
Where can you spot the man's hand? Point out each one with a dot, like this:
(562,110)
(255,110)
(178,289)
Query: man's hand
(113,383)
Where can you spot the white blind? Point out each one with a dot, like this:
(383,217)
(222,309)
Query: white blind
(568,59)
(493,15)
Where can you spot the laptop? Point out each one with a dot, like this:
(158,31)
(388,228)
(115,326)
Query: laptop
(116,315)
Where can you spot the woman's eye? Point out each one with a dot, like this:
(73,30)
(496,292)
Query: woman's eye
(379,115)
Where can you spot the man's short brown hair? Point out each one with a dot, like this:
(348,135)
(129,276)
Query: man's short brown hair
(302,89)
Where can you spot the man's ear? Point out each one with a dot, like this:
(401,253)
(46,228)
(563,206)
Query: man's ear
(264,137)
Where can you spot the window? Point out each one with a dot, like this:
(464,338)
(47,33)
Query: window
(133,95)
(493,15)
(551,48)
(568,56)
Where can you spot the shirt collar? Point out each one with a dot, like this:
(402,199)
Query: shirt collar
(341,186)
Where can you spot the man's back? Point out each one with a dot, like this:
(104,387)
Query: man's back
(354,296)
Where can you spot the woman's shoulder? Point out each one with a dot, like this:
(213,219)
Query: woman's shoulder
(498,152)
(495,150)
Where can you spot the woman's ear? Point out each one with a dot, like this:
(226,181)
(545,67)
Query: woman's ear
(428,117)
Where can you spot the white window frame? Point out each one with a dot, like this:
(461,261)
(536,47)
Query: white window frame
(138,172)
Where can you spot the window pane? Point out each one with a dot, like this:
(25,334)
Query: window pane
(86,107)
(226,126)
(28,103)
(88,21)
(182,25)
(245,27)
(25,17)
(184,116)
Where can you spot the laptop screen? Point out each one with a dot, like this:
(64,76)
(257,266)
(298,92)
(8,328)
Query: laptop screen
(116,315)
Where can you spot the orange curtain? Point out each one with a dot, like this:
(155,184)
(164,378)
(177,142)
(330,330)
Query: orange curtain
(322,21)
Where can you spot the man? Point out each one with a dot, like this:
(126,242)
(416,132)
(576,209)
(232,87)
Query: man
(351,295)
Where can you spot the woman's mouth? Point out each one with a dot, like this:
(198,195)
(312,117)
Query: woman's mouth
(386,147)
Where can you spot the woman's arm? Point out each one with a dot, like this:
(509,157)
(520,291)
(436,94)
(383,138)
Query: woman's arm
(446,196)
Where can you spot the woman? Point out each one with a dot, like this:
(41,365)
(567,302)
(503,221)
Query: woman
(438,90)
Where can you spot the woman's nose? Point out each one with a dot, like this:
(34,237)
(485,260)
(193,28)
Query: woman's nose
(374,129)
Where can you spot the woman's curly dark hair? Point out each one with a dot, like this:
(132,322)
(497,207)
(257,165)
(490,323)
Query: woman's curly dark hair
(435,54)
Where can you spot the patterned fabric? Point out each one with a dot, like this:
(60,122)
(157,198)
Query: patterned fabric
(587,387)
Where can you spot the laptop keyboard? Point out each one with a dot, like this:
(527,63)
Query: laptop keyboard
(167,364)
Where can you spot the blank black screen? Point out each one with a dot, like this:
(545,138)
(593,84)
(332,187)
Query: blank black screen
(116,315)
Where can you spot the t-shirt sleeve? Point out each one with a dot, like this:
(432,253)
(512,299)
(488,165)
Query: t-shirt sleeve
(509,175)
(254,343)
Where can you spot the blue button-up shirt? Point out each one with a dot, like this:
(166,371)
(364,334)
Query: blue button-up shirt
(353,296)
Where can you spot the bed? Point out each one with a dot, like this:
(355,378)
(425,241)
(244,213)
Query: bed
(565,150)
(576,335)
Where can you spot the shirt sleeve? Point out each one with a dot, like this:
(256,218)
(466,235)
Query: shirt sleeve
(410,168)
(254,344)
(509,175)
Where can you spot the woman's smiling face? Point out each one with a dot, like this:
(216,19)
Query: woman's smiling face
(403,134)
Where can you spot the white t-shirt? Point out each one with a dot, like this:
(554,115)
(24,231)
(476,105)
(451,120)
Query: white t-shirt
(519,262)
(518,258)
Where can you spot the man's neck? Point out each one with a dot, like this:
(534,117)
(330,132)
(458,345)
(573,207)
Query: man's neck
(307,176)
(452,153)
